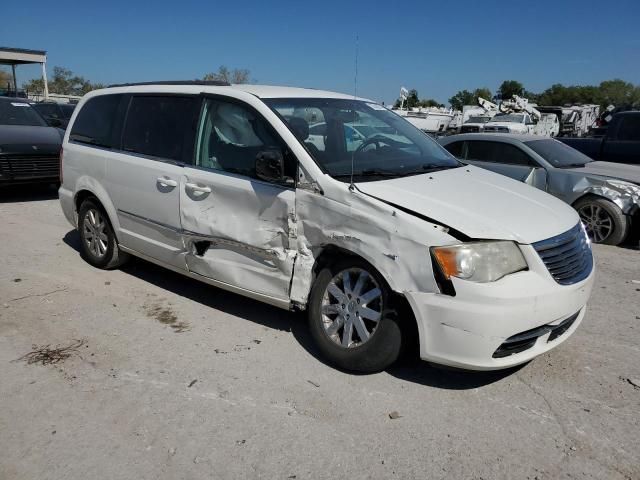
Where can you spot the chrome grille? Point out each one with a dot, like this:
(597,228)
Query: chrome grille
(567,256)
(29,166)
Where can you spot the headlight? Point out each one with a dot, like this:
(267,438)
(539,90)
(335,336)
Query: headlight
(626,187)
(480,261)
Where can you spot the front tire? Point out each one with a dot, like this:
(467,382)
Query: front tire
(604,221)
(351,320)
(98,243)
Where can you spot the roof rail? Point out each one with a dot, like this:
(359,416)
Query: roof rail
(211,83)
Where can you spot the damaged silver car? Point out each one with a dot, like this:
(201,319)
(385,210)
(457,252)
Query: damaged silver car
(383,237)
(605,194)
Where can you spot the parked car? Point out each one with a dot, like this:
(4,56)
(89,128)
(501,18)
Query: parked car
(55,114)
(389,244)
(606,195)
(620,142)
(29,148)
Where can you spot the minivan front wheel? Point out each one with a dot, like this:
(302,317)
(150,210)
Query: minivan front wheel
(98,244)
(351,320)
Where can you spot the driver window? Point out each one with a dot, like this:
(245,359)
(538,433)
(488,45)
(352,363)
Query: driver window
(497,152)
(231,136)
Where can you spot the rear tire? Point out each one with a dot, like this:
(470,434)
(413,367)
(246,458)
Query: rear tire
(604,221)
(98,243)
(350,319)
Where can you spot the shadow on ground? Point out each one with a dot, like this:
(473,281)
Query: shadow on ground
(410,369)
(28,193)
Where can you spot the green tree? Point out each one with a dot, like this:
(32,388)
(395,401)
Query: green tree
(237,75)
(465,97)
(509,88)
(63,82)
(462,98)
(618,92)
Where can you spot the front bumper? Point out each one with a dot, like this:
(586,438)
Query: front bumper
(465,331)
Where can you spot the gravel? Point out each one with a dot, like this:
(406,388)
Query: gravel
(127,404)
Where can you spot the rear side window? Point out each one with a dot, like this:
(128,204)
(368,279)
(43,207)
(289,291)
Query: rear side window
(497,152)
(629,128)
(161,126)
(94,123)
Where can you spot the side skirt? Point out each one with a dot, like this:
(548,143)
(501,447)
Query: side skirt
(276,302)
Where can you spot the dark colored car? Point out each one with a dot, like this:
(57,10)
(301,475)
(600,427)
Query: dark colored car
(620,143)
(29,148)
(55,114)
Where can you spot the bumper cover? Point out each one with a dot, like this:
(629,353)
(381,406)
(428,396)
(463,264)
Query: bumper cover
(465,331)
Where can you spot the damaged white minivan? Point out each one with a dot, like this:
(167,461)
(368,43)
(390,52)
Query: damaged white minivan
(314,200)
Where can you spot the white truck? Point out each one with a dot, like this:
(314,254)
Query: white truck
(517,115)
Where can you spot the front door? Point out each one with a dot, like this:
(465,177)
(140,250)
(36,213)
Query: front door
(237,229)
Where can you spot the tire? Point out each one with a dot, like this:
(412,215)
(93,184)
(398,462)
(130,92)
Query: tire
(603,219)
(329,330)
(93,223)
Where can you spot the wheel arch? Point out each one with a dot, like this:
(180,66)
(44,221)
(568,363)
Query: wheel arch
(331,254)
(87,187)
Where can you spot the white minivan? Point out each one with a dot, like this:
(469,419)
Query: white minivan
(387,241)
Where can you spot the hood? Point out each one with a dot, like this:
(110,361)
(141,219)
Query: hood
(22,139)
(479,203)
(621,171)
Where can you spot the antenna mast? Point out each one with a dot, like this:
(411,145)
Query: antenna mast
(355,96)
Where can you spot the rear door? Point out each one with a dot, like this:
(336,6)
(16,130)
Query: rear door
(143,177)
(238,229)
(505,159)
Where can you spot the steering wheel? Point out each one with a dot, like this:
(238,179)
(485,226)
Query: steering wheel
(374,140)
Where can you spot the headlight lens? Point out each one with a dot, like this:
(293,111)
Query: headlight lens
(479,261)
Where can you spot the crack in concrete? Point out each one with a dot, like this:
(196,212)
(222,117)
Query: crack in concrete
(39,294)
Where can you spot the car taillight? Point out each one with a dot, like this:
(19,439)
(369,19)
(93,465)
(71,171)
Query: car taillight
(60,164)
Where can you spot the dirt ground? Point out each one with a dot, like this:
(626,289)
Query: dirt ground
(168,378)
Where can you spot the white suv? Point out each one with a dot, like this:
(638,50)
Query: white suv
(386,243)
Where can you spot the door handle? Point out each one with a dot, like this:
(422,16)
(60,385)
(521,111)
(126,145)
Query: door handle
(167,182)
(197,188)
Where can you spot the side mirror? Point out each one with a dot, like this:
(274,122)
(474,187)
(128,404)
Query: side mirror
(270,166)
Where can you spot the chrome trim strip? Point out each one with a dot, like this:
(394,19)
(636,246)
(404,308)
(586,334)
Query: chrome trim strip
(148,220)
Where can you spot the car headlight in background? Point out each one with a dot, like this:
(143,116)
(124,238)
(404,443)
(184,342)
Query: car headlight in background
(479,261)
(626,187)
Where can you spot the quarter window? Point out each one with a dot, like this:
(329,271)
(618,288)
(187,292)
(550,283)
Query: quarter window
(231,136)
(94,123)
(497,152)
(161,126)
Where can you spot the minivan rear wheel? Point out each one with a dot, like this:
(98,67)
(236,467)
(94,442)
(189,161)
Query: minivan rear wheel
(98,244)
(351,320)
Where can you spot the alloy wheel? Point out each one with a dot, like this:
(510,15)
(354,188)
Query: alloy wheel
(352,307)
(95,237)
(597,222)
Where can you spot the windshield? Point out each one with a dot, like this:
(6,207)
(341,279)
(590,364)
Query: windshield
(380,143)
(478,120)
(557,153)
(508,117)
(19,113)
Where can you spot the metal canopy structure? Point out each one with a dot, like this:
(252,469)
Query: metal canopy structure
(21,56)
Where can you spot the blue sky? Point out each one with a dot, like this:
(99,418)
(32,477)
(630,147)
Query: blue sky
(437,48)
